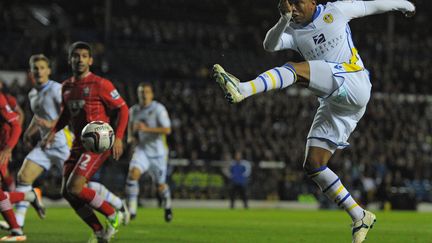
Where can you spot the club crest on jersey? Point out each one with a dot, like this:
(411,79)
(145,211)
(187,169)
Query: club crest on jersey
(319,39)
(328,18)
(115,94)
(86,91)
(8,109)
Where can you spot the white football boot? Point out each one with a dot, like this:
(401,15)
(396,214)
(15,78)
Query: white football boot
(361,228)
(228,83)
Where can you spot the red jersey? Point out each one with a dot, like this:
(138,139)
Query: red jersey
(11,100)
(86,100)
(10,128)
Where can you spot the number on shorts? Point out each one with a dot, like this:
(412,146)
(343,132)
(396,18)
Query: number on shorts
(83,161)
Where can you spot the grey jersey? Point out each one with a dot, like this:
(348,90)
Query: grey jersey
(154,115)
(45,102)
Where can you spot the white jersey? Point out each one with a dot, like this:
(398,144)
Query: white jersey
(45,102)
(154,115)
(328,36)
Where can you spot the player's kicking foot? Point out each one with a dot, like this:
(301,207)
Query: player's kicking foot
(168,215)
(112,225)
(16,235)
(125,214)
(37,203)
(228,83)
(362,227)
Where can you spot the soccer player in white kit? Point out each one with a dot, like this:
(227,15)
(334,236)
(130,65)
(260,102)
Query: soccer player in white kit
(150,121)
(334,72)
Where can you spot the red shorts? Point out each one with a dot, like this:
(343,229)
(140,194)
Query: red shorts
(84,163)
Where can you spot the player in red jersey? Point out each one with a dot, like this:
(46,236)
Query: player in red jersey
(86,97)
(9,135)
(9,179)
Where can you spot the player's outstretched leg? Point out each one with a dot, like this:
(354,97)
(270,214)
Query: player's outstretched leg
(228,83)
(235,91)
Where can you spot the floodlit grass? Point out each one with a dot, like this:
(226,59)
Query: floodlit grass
(224,225)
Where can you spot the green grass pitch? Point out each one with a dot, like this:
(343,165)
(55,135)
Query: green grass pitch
(232,226)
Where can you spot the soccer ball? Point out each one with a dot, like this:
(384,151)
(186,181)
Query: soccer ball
(97,137)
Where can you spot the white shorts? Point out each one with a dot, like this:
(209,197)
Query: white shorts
(339,112)
(156,165)
(49,156)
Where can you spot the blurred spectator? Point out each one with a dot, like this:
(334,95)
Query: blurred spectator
(240,171)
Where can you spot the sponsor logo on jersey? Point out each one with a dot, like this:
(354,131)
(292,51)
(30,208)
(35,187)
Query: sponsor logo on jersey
(319,39)
(75,106)
(328,18)
(86,91)
(115,94)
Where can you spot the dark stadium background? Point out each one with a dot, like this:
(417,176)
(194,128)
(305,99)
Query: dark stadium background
(174,43)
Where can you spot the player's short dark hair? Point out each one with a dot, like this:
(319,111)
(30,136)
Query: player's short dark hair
(80,45)
(145,84)
(38,57)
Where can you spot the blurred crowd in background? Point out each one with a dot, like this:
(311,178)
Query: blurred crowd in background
(174,43)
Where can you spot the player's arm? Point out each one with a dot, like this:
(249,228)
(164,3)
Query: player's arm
(130,132)
(60,123)
(21,114)
(276,38)
(142,127)
(12,118)
(114,101)
(29,132)
(357,9)
(45,123)
(163,121)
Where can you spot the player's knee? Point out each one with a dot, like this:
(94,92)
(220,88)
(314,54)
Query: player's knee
(162,187)
(74,188)
(134,174)
(311,163)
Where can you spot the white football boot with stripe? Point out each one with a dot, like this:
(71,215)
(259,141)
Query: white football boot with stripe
(228,83)
(361,228)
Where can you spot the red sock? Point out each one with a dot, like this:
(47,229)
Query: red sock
(15,197)
(9,182)
(95,201)
(7,212)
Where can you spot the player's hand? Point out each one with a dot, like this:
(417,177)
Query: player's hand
(285,8)
(5,154)
(43,122)
(47,140)
(140,126)
(117,148)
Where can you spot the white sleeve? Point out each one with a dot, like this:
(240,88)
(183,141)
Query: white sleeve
(277,39)
(356,9)
(163,117)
